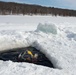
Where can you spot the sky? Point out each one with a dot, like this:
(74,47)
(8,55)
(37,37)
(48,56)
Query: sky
(66,4)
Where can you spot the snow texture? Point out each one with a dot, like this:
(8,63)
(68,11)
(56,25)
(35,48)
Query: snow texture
(57,40)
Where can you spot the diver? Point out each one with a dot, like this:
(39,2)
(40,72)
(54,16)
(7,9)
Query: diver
(28,56)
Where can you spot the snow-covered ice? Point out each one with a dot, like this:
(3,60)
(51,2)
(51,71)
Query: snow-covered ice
(54,36)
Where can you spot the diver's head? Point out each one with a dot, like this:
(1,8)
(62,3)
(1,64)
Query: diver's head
(36,55)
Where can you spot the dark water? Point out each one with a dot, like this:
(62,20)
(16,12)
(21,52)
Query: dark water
(14,53)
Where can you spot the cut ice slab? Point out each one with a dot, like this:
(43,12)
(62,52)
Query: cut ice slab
(47,28)
(26,55)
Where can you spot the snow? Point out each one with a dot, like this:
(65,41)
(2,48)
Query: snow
(54,36)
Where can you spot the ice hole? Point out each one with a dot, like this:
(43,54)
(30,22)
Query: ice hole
(27,54)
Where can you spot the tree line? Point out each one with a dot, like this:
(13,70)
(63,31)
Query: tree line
(11,8)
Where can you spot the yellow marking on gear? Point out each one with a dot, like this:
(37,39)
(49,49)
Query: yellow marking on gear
(29,52)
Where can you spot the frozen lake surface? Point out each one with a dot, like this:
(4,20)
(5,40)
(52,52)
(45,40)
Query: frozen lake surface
(53,36)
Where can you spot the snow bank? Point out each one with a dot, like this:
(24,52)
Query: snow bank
(47,28)
(11,68)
